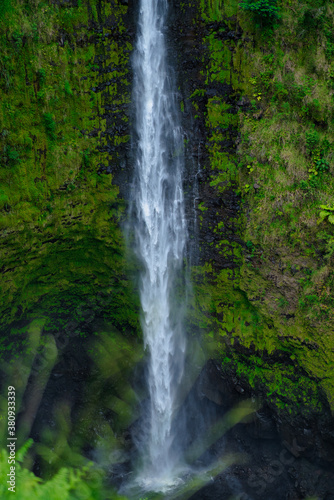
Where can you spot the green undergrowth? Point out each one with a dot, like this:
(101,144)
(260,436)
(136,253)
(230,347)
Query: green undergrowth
(85,483)
(286,157)
(99,366)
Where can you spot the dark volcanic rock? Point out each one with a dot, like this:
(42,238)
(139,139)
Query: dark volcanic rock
(269,462)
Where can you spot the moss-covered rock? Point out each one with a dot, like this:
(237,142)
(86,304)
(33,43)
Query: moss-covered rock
(264,286)
(63,123)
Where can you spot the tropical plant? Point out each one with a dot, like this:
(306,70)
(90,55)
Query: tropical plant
(328,212)
(85,483)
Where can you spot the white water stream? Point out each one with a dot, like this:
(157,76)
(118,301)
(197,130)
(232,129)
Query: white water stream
(160,237)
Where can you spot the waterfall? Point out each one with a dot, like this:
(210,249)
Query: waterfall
(160,236)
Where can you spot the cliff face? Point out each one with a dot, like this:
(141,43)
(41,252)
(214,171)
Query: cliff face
(262,104)
(65,94)
(261,109)
(257,106)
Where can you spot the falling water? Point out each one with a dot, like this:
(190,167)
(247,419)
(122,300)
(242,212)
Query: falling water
(160,236)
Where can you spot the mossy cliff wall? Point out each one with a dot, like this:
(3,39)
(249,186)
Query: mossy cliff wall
(262,134)
(64,94)
(66,291)
(257,107)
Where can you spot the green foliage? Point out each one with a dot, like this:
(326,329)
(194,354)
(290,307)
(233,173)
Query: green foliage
(5,6)
(322,165)
(18,39)
(312,20)
(50,125)
(41,75)
(285,139)
(264,10)
(280,90)
(3,198)
(277,381)
(12,156)
(283,302)
(328,212)
(318,167)
(67,89)
(86,158)
(198,93)
(251,247)
(312,140)
(50,187)
(85,483)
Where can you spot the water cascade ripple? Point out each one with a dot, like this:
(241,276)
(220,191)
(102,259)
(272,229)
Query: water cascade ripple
(160,236)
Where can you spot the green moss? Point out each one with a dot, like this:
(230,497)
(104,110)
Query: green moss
(278,299)
(59,219)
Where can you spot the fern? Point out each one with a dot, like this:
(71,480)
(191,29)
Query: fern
(328,212)
(85,483)
(21,453)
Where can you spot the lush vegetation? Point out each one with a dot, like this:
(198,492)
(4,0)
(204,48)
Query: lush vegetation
(65,281)
(264,11)
(85,483)
(55,204)
(277,299)
(268,315)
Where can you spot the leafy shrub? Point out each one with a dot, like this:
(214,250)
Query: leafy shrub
(311,299)
(315,182)
(283,302)
(280,91)
(329,49)
(322,165)
(12,156)
(41,96)
(86,157)
(67,484)
(326,211)
(304,185)
(264,10)
(329,249)
(18,39)
(325,146)
(3,199)
(312,20)
(286,107)
(34,32)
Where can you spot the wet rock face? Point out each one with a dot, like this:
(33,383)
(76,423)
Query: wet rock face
(270,460)
(115,94)
(187,31)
